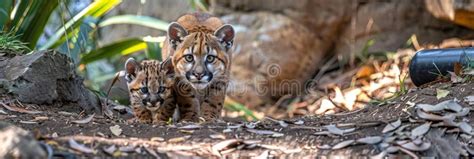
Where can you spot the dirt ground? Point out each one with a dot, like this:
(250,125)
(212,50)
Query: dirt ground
(297,137)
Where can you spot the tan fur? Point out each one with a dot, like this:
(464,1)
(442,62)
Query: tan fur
(195,98)
(152,75)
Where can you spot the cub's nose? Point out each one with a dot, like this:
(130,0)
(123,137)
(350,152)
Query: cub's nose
(155,99)
(199,76)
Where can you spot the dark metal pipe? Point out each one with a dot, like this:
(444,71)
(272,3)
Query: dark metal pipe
(427,65)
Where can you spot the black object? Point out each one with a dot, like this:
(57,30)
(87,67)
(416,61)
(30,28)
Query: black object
(427,65)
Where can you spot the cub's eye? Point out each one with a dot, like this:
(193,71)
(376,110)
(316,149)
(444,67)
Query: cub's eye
(210,58)
(161,89)
(144,90)
(189,58)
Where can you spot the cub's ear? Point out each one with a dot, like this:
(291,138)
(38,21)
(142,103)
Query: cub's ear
(167,66)
(131,66)
(176,34)
(225,34)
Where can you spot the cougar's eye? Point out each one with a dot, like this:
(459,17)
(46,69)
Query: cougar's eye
(189,58)
(161,89)
(144,90)
(210,58)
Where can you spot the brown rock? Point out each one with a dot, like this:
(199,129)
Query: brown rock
(459,12)
(272,57)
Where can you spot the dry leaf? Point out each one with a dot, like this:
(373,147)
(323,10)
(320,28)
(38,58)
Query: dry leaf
(79,147)
(448,120)
(370,140)
(429,107)
(217,136)
(179,139)
(455,78)
(152,152)
(3,112)
(450,105)
(441,93)
(414,147)
(277,134)
(324,147)
(186,131)
(20,110)
(465,127)
(129,148)
(343,144)
(159,139)
(41,118)
(469,100)
(463,112)
(261,132)
(335,130)
(110,150)
(283,123)
(264,154)
(28,122)
(228,130)
(191,126)
(421,130)
(392,149)
(251,125)
(322,133)
(67,113)
(365,71)
(299,122)
(116,130)
(85,120)
(223,145)
(457,69)
(381,155)
(428,116)
(392,126)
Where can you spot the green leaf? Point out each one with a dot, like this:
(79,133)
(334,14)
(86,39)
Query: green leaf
(123,47)
(153,50)
(233,105)
(32,28)
(199,5)
(5,10)
(96,9)
(21,12)
(441,93)
(137,20)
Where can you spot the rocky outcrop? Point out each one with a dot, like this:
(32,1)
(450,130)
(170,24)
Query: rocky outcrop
(317,29)
(18,143)
(45,77)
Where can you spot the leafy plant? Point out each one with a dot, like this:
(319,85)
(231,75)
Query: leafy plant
(199,5)
(11,43)
(26,19)
(235,106)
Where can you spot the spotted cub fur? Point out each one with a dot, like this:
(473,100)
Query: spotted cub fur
(199,46)
(150,85)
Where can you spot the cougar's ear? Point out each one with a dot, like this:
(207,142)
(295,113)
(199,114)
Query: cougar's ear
(167,66)
(176,34)
(131,66)
(225,34)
